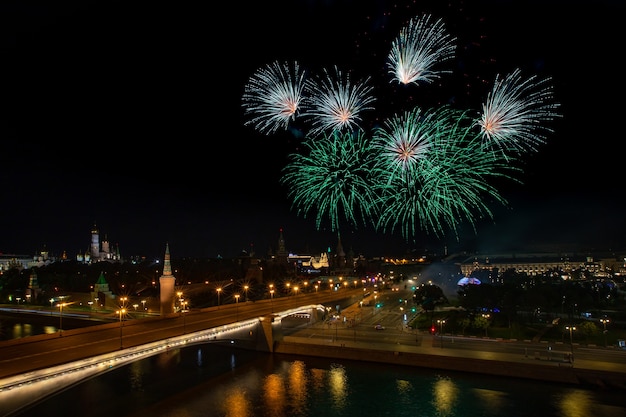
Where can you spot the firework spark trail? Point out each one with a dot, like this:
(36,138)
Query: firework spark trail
(421,44)
(272,96)
(515,111)
(333,102)
(404,140)
(336,179)
(451,185)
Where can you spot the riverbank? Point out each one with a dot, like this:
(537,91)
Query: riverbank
(587,373)
(535,364)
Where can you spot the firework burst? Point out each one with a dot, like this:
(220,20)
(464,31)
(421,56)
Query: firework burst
(451,182)
(403,141)
(334,103)
(272,96)
(421,44)
(515,114)
(336,180)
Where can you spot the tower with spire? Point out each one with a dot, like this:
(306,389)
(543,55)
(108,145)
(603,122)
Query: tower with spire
(166,284)
(95,242)
(340,261)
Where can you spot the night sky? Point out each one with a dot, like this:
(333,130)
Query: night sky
(128,115)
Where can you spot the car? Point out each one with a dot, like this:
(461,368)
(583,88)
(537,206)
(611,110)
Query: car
(379,327)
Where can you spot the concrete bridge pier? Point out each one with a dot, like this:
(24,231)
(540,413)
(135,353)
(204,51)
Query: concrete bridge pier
(265,342)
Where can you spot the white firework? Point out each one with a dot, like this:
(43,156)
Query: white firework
(404,140)
(272,96)
(334,103)
(514,117)
(421,44)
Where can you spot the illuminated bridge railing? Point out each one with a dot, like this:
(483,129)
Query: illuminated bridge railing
(16,392)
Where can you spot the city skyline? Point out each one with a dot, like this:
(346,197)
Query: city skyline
(131,118)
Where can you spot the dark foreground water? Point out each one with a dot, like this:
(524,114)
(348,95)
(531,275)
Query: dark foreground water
(213,380)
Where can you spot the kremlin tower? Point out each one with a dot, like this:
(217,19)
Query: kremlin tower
(166,282)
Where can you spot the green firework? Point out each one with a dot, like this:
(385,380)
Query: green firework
(449,185)
(336,180)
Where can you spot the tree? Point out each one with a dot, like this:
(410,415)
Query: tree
(588,329)
(482,322)
(428,296)
(464,323)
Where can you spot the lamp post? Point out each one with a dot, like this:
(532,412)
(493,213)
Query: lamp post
(219,290)
(272,299)
(51,305)
(143,306)
(441,324)
(237,306)
(180,299)
(245,291)
(121,312)
(604,321)
(183,311)
(61,305)
(571,342)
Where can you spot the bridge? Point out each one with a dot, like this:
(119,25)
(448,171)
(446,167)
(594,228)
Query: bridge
(32,370)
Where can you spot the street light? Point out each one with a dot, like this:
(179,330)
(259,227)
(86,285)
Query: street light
(237,306)
(219,290)
(61,305)
(571,343)
(604,321)
(441,324)
(183,311)
(272,299)
(143,305)
(121,312)
(245,291)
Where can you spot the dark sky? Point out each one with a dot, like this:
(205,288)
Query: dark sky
(128,115)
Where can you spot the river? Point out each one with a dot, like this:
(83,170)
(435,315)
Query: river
(219,381)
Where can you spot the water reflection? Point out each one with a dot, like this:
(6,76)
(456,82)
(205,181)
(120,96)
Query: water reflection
(236,403)
(298,383)
(445,396)
(493,401)
(273,394)
(213,381)
(199,357)
(576,403)
(338,386)
(406,392)
(136,376)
